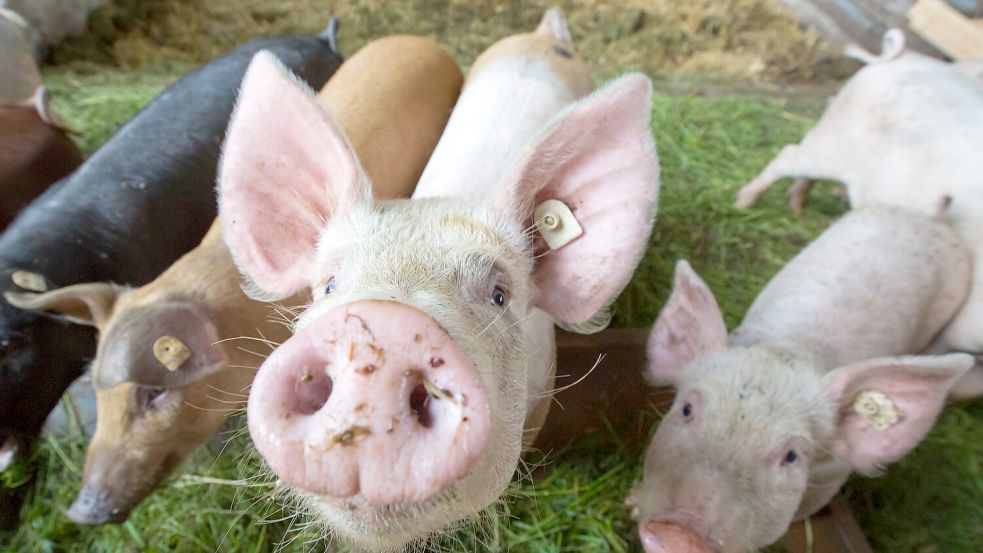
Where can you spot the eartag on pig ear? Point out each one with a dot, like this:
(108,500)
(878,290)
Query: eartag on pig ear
(171,352)
(876,409)
(30,281)
(556,224)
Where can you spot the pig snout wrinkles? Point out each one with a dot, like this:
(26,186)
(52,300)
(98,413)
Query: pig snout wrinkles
(373,397)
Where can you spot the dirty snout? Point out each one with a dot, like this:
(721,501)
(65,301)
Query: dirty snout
(372,398)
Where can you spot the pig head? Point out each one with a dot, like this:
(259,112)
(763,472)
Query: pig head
(762,434)
(149,353)
(398,406)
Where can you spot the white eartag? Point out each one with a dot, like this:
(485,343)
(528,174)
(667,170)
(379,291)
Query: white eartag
(876,409)
(556,223)
(29,281)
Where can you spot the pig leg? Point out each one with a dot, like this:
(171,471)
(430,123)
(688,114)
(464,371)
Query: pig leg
(791,161)
(798,193)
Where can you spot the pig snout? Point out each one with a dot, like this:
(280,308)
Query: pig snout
(665,537)
(95,506)
(373,397)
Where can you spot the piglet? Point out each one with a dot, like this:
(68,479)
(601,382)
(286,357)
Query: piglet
(905,130)
(818,381)
(140,202)
(401,403)
(174,356)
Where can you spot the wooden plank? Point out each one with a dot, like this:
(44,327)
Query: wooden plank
(948,30)
(615,396)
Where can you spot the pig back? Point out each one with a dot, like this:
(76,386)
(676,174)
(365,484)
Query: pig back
(394,123)
(880,281)
(147,195)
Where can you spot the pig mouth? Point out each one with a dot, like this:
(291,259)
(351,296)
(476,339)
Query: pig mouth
(680,532)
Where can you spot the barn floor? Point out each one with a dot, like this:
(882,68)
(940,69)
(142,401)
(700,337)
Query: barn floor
(715,130)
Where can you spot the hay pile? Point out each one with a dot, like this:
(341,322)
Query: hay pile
(755,39)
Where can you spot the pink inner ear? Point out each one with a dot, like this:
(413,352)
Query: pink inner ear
(286,167)
(915,385)
(689,325)
(598,157)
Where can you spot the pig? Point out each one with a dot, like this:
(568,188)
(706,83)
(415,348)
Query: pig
(50,21)
(905,130)
(135,206)
(422,366)
(35,151)
(819,380)
(393,98)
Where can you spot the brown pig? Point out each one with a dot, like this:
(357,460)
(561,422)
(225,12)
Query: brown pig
(177,356)
(34,149)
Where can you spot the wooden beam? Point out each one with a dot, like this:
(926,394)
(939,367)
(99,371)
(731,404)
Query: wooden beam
(948,30)
(614,396)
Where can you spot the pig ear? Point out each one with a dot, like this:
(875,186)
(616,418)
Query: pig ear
(161,346)
(87,304)
(886,406)
(286,169)
(690,325)
(597,162)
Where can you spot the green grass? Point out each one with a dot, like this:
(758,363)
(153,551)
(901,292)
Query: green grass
(930,502)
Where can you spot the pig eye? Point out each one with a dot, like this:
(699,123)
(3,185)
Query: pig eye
(149,398)
(499,297)
(790,457)
(688,410)
(329,287)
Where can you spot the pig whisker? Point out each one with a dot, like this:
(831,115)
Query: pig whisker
(221,391)
(555,391)
(251,352)
(243,367)
(207,410)
(237,402)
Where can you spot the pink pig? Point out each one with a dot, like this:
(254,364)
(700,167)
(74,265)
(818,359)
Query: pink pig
(816,382)
(906,130)
(421,367)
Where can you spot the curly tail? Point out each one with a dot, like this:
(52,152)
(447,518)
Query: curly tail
(892,45)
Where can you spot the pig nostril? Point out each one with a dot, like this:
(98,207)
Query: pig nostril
(420,405)
(312,390)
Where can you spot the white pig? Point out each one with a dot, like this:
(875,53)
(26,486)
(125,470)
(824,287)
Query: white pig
(905,130)
(401,403)
(816,382)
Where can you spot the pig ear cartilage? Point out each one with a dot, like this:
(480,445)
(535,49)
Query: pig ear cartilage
(556,224)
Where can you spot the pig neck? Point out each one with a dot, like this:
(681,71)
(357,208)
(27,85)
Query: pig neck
(500,110)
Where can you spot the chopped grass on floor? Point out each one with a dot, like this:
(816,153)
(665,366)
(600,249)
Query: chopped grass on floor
(930,502)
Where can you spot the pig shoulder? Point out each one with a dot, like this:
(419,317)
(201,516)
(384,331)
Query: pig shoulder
(881,281)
